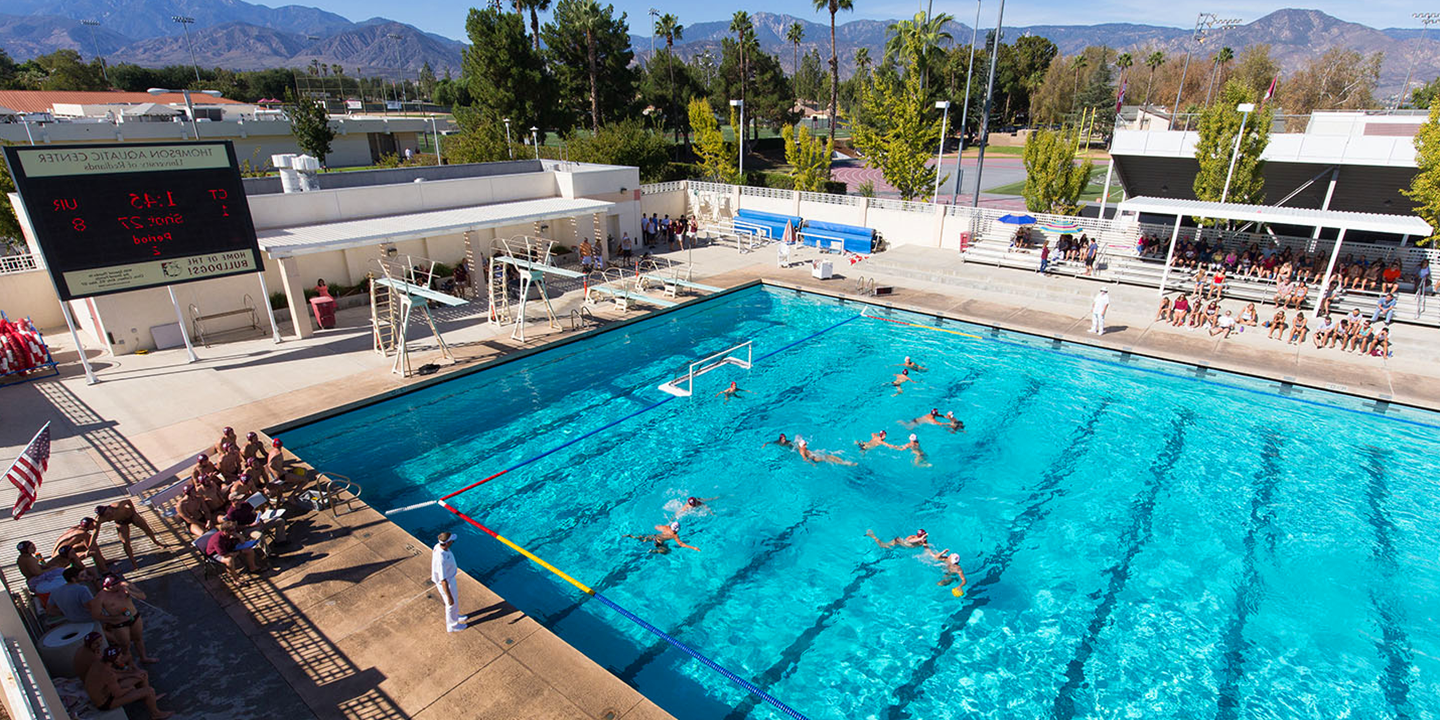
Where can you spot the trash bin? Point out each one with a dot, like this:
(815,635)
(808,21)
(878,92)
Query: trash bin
(324,309)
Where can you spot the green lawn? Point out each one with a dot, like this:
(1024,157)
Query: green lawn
(1091,193)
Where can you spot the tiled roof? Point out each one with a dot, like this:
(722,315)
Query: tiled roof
(43,100)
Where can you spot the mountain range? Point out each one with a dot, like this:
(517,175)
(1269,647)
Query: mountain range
(245,36)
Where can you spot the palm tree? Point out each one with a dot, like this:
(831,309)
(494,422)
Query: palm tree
(1222,57)
(794,35)
(862,59)
(1124,62)
(534,6)
(1079,63)
(668,26)
(743,28)
(589,18)
(1152,61)
(918,40)
(833,6)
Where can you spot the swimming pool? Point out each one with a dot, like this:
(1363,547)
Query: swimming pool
(1142,539)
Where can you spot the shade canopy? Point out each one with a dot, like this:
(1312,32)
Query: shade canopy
(1279,215)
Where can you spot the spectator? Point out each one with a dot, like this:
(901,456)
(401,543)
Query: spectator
(1277,325)
(107,691)
(461,276)
(1098,308)
(321,289)
(585,260)
(1380,345)
(1324,328)
(230,549)
(1422,286)
(1181,310)
(1091,250)
(196,514)
(1163,314)
(82,540)
(625,249)
(124,514)
(1384,308)
(1361,339)
(1225,324)
(1044,258)
(1298,329)
(1390,277)
(243,514)
(1248,316)
(72,600)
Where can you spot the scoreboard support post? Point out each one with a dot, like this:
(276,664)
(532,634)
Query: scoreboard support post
(90,378)
(180,320)
(269,309)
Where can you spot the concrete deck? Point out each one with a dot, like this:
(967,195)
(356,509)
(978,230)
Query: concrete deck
(348,625)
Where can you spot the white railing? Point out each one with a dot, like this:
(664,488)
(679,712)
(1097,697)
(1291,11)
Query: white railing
(20,684)
(830,198)
(766,192)
(664,187)
(699,186)
(17,263)
(703,365)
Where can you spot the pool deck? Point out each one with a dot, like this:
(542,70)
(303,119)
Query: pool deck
(348,626)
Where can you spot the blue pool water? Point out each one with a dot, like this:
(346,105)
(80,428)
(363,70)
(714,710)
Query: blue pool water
(1142,540)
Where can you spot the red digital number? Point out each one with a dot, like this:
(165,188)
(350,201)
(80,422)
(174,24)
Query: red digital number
(78,224)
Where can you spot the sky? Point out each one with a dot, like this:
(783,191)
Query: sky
(447,17)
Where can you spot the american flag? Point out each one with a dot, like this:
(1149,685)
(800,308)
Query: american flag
(1269,93)
(28,470)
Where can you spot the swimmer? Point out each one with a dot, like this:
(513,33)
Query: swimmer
(731,392)
(914,447)
(782,441)
(876,440)
(664,534)
(900,380)
(694,504)
(912,365)
(932,418)
(919,539)
(815,458)
(950,563)
(951,422)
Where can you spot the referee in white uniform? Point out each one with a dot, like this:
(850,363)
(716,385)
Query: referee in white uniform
(442,573)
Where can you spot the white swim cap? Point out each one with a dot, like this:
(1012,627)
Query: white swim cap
(675,525)
(913,437)
(955,558)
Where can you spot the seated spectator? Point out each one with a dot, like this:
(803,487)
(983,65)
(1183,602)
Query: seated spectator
(1217,283)
(73,600)
(1232,260)
(1298,293)
(1267,267)
(1380,345)
(1372,275)
(230,549)
(230,462)
(1164,312)
(1355,277)
(1277,325)
(1224,325)
(38,570)
(1207,318)
(1282,292)
(253,449)
(1181,310)
(1324,328)
(1385,308)
(1248,316)
(282,479)
(1390,277)
(1362,338)
(248,522)
(193,510)
(107,689)
(88,653)
(1298,329)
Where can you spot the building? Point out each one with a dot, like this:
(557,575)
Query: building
(445,213)
(59,117)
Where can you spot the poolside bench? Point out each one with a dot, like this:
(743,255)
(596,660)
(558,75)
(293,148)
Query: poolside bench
(198,320)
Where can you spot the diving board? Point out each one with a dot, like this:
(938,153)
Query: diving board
(421,291)
(542,267)
(682,283)
(632,295)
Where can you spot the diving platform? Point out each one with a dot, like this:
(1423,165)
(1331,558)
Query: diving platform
(682,283)
(420,291)
(542,267)
(632,295)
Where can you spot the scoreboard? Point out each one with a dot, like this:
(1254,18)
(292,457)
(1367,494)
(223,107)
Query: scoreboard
(118,217)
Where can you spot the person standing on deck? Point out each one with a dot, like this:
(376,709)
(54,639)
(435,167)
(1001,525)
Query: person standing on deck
(442,573)
(1097,311)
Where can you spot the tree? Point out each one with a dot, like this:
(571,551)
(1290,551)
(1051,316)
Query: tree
(810,78)
(1218,127)
(310,125)
(1152,61)
(1217,72)
(918,41)
(1124,62)
(1078,64)
(1425,187)
(8,71)
(717,157)
(1019,74)
(502,73)
(1255,69)
(427,81)
(668,26)
(65,70)
(481,138)
(897,130)
(627,142)
(808,157)
(589,52)
(1053,181)
(1338,80)
(794,35)
(833,6)
(1425,94)
(667,82)
(534,6)
(744,30)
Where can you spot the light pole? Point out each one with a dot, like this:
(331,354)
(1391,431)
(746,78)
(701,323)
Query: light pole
(508,146)
(965,103)
(189,106)
(535,140)
(740,139)
(1226,24)
(1245,109)
(185,22)
(1426,19)
(435,130)
(656,15)
(943,105)
(92,24)
(985,112)
(1202,23)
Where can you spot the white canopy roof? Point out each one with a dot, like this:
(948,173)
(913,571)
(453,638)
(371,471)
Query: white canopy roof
(1368,222)
(304,239)
(149,109)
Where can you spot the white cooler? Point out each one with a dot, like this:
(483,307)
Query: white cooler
(57,647)
(822,270)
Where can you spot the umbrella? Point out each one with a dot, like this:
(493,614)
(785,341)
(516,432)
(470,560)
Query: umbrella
(1018,219)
